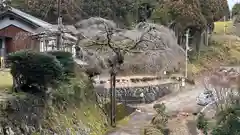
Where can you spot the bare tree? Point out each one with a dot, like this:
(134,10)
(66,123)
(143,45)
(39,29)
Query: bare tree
(114,61)
(155,43)
(154,46)
(224,84)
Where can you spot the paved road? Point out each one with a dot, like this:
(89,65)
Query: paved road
(185,100)
(137,121)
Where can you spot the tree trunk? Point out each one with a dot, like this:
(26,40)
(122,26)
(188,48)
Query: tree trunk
(198,39)
(111,98)
(114,99)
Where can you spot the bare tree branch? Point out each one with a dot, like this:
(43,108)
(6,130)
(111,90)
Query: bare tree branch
(224,84)
(157,44)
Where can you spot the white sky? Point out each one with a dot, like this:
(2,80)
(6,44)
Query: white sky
(232,2)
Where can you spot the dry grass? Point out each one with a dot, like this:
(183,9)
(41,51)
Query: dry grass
(87,115)
(223,50)
(5,80)
(219,27)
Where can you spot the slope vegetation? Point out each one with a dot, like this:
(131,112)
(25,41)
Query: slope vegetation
(223,49)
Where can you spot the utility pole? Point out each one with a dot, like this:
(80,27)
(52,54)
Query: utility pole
(230,15)
(59,33)
(186,57)
(186,53)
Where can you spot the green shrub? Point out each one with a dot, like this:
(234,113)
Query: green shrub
(159,121)
(227,119)
(65,59)
(160,108)
(202,123)
(152,130)
(72,93)
(34,69)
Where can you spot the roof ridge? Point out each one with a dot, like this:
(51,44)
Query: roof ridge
(31,18)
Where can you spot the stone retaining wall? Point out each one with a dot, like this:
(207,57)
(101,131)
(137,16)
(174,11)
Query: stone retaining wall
(132,95)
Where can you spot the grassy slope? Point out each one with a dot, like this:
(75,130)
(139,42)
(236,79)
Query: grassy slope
(5,80)
(80,107)
(87,115)
(219,27)
(223,50)
(83,110)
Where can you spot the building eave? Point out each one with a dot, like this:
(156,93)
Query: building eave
(19,17)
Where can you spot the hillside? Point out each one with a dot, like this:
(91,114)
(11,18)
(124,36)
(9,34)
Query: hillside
(74,110)
(222,50)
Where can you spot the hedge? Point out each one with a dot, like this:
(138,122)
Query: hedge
(33,68)
(65,59)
